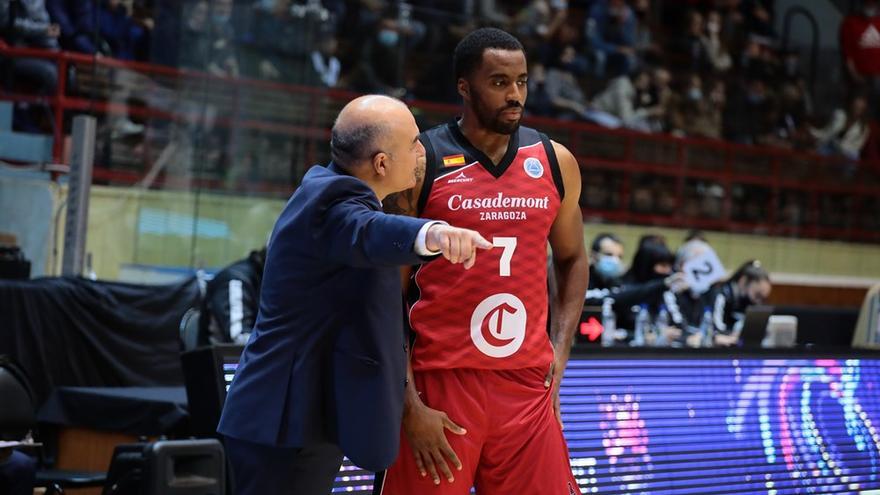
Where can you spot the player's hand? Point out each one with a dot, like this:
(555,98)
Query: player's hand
(554,379)
(457,245)
(424,428)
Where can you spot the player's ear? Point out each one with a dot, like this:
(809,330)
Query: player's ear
(464,88)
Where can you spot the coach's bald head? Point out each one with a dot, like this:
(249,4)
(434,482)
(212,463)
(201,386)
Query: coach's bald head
(375,138)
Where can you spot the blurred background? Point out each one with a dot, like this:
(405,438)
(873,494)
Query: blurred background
(730,160)
(753,120)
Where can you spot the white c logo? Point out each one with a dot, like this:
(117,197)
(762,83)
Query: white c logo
(498,325)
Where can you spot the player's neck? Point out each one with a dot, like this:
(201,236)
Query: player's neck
(493,144)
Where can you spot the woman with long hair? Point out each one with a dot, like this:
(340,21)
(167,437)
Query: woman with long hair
(749,285)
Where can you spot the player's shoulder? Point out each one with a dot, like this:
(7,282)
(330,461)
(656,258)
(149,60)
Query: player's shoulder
(433,133)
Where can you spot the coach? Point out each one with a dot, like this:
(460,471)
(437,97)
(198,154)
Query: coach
(323,372)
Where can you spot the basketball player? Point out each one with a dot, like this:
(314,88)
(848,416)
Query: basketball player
(482,403)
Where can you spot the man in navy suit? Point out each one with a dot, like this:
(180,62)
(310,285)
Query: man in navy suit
(324,370)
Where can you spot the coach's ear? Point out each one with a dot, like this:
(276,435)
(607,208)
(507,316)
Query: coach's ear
(380,164)
(464,88)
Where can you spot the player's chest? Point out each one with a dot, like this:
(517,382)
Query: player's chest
(523,197)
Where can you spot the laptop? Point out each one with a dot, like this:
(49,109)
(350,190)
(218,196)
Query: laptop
(755,325)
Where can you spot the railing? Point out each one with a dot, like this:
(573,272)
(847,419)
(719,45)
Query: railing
(280,130)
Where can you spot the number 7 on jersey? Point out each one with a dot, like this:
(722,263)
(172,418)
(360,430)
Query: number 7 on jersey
(509,245)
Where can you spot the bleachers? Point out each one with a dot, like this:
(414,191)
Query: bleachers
(280,130)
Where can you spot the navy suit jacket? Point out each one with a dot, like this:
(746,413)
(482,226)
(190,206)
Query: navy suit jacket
(327,358)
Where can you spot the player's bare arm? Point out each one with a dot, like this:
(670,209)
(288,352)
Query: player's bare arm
(570,269)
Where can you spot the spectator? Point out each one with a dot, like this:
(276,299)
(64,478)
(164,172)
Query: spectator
(749,285)
(539,102)
(758,17)
(606,266)
(646,48)
(647,282)
(691,43)
(76,18)
(539,21)
(860,48)
(207,38)
(848,130)
(389,33)
(126,38)
(564,92)
(714,45)
(325,64)
(657,111)
(29,26)
(751,114)
(651,262)
(611,35)
(638,102)
(757,60)
(694,113)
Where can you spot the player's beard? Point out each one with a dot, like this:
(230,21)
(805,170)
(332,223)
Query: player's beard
(491,119)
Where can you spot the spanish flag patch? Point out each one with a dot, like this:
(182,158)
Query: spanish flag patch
(453,160)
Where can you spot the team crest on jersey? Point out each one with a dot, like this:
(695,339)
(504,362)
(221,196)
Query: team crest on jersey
(533,167)
(498,325)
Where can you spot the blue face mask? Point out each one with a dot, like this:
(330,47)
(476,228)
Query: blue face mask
(388,37)
(608,266)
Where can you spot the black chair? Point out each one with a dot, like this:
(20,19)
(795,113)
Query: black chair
(18,417)
(189,329)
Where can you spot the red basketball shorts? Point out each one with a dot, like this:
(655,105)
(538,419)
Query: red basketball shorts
(513,444)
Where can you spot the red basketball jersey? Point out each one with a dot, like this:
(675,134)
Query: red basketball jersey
(493,316)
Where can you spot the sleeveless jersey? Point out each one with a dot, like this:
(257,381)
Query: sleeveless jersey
(493,316)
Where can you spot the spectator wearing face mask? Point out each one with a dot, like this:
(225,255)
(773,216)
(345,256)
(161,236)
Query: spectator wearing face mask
(749,285)
(752,114)
(694,113)
(606,266)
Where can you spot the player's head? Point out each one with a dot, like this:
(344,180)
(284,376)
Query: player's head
(490,67)
(376,139)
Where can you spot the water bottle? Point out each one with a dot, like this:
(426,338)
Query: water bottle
(661,324)
(609,322)
(90,270)
(643,322)
(707,329)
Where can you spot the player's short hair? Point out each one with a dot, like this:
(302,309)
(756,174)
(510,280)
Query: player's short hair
(469,51)
(353,143)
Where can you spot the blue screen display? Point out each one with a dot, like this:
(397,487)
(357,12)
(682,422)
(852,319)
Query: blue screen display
(717,426)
